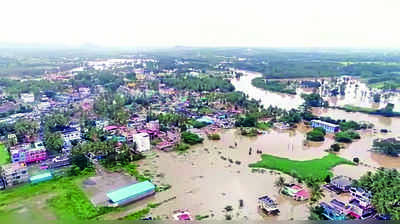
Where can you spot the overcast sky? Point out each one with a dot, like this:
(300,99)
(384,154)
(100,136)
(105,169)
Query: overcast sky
(266,23)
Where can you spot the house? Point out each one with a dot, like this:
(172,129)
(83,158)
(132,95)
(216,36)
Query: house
(356,212)
(142,141)
(44,106)
(341,182)
(296,192)
(27,97)
(12,138)
(328,127)
(131,193)
(332,213)
(28,153)
(182,215)
(341,206)
(362,197)
(84,92)
(153,125)
(268,205)
(71,134)
(14,173)
(100,124)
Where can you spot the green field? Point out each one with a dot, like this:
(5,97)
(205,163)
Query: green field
(351,108)
(317,168)
(61,198)
(4,155)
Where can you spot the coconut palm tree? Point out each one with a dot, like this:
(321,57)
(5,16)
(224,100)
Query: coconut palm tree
(317,193)
(280,182)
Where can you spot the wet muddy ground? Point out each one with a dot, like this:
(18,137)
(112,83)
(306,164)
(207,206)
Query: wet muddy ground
(209,176)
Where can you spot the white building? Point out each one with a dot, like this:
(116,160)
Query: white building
(44,105)
(27,97)
(83,91)
(71,134)
(142,141)
(328,127)
(100,124)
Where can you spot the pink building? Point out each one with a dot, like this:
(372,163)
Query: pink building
(28,153)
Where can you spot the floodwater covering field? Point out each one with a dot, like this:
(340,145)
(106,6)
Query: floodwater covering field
(359,148)
(215,174)
(356,93)
(207,179)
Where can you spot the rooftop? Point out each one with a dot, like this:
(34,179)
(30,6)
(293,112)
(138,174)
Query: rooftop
(325,123)
(129,191)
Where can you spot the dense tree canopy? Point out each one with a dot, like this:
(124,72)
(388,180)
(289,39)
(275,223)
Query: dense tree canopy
(198,84)
(385,188)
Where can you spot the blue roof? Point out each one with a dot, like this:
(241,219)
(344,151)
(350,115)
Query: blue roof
(205,119)
(131,191)
(41,177)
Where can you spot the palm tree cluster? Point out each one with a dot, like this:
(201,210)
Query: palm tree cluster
(385,188)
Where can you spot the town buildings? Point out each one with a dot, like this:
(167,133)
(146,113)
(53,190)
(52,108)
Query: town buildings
(28,153)
(14,173)
(27,97)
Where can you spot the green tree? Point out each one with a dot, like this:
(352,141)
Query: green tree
(53,141)
(317,135)
(26,128)
(191,138)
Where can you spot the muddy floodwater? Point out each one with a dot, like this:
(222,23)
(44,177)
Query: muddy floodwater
(215,174)
(205,183)
(356,92)
(353,96)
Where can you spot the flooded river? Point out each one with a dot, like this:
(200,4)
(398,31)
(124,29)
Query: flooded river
(356,93)
(357,149)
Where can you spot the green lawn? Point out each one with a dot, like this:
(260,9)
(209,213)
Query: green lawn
(317,168)
(351,108)
(4,155)
(62,197)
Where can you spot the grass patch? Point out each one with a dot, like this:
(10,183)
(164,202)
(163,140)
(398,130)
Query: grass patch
(137,215)
(274,86)
(131,169)
(4,155)
(351,108)
(201,217)
(153,205)
(67,201)
(264,125)
(317,169)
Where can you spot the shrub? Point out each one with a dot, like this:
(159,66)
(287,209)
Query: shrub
(335,147)
(191,138)
(346,136)
(316,135)
(248,131)
(214,136)
(182,147)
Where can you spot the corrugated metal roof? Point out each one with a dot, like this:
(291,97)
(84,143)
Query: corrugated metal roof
(40,177)
(130,191)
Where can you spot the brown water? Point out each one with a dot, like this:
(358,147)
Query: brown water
(205,184)
(357,149)
(357,93)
